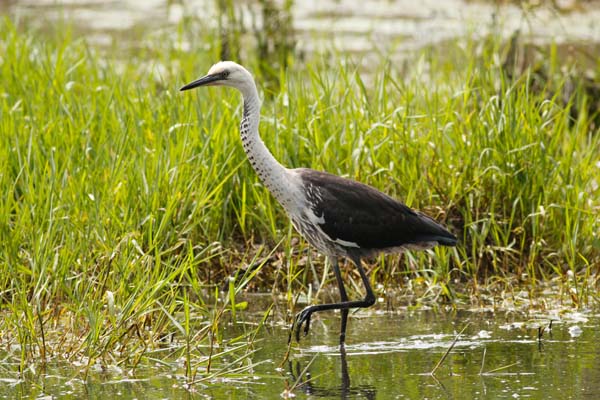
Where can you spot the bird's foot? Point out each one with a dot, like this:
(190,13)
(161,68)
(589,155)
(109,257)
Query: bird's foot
(303,317)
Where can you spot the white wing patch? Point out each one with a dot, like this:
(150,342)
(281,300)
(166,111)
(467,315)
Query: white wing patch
(318,221)
(312,217)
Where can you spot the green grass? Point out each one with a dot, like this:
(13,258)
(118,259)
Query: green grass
(126,204)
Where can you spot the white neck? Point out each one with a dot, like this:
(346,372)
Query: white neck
(270,171)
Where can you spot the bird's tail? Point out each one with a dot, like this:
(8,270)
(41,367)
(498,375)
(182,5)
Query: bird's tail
(436,232)
(449,240)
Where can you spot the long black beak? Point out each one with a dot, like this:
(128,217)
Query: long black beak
(205,80)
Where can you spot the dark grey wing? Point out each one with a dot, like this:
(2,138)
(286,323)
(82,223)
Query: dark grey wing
(356,213)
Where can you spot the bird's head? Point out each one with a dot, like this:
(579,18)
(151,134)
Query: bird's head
(224,73)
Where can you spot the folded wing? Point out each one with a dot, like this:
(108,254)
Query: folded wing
(354,214)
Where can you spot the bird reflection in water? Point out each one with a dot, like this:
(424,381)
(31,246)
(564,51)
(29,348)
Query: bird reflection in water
(305,382)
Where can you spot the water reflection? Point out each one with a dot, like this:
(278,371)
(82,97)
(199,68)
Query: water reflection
(389,356)
(304,381)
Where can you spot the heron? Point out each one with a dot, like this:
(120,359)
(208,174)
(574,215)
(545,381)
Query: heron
(340,217)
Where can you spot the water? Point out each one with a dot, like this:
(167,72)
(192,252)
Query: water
(368,28)
(389,355)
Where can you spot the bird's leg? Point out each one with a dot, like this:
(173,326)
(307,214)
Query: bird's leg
(369,299)
(303,317)
(343,297)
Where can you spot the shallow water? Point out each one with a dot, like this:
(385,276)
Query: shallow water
(371,27)
(388,355)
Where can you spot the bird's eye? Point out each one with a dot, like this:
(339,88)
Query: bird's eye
(225,74)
